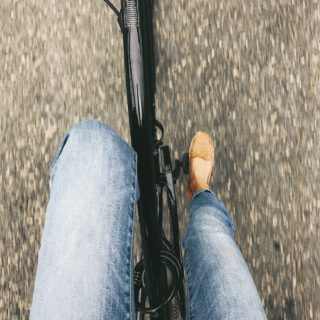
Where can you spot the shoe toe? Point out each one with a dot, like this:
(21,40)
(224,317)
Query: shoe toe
(202,147)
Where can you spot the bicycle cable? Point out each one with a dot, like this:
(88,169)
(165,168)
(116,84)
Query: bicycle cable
(172,263)
(112,7)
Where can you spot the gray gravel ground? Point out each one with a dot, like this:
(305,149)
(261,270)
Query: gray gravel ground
(246,72)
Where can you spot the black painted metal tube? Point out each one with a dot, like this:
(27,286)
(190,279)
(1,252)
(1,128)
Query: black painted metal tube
(142,139)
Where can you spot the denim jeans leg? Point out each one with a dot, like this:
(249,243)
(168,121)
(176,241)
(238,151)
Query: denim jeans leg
(85,260)
(219,282)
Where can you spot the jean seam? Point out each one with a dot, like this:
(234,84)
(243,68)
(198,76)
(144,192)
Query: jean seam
(132,307)
(189,284)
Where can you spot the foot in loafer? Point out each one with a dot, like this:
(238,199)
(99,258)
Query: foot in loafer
(201,161)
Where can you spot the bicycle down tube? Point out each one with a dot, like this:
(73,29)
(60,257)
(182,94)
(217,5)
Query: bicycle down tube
(161,261)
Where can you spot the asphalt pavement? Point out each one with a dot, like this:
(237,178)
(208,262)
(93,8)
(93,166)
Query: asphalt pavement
(246,72)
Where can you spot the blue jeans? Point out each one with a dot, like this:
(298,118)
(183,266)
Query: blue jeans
(85,262)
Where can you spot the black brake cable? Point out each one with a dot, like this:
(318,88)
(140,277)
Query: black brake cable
(112,7)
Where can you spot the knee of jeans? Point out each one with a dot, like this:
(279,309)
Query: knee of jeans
(84,128)
(87,138)
(97,134)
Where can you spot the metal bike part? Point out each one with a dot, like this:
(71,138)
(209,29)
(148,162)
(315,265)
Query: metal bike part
(162,274)
(172,204)
(173,265)
(139,96)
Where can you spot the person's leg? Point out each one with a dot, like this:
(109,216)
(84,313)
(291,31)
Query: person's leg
(85,260)
(219,282)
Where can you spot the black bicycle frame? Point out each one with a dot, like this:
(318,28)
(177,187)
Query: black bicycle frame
(139,104)
(159,255)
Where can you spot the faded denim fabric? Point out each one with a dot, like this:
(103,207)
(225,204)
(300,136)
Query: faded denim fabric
(219,282)
(85,263)
(85,260)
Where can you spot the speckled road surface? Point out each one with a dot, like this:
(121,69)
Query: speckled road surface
(246,72)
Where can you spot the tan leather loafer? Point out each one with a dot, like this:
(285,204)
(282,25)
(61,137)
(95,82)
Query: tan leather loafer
(201,161)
